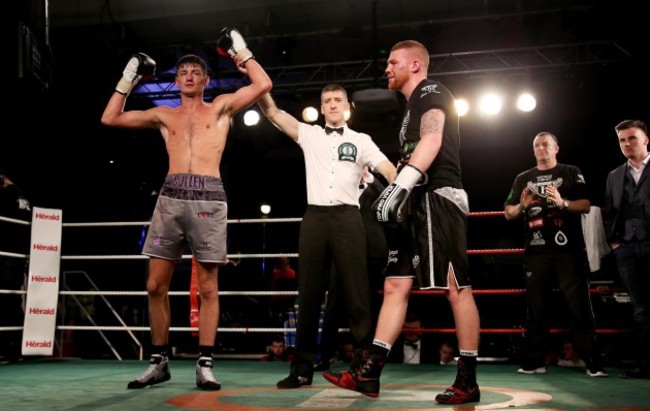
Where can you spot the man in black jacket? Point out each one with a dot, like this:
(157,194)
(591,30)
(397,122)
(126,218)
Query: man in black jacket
(627,227)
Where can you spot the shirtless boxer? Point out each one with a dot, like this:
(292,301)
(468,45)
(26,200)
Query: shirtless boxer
(192,206)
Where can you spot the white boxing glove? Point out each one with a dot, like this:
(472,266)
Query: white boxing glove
(232,43)
(140,65)
(388,207)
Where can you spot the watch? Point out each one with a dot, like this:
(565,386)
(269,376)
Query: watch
(565,204)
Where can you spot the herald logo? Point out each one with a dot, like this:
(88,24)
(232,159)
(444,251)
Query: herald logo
(44,247)
(43,216)
(43,279)
(38,344)
(41,311)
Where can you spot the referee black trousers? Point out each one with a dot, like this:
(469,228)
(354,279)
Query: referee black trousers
(330,236)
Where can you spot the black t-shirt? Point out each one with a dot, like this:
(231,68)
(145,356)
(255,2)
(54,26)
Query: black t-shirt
(445,170)
(550,229)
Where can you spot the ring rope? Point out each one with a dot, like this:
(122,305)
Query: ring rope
(13,220)
(514,330)
(146,223)
(229,221)
(243,256)
(15,255)
(184,257)
(295,293)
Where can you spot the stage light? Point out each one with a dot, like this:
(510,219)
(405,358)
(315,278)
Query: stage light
(265,209)
(490,104)
(310,114)
(251,118)
(526,102)
(462,107)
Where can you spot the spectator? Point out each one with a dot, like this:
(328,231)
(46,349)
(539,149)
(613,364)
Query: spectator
(569,356)
(283,278)
(413,346)
(627,228)
(278,350)
(346,352)
(446,352)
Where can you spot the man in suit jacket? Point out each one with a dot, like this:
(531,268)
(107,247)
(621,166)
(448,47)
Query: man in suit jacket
(627,227)
(413,346)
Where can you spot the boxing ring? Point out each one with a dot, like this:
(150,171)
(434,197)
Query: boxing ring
(124,333)
(88,289)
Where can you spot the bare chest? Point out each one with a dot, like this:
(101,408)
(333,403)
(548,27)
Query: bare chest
(193,126)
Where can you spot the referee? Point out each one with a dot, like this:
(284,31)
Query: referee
(331,231)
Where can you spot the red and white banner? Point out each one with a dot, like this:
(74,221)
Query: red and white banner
(43,282)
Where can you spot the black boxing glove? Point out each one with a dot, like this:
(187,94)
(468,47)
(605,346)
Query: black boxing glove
(388,207)
(140,65)
(231,43)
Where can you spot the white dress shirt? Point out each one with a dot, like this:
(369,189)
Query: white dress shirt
(334,163)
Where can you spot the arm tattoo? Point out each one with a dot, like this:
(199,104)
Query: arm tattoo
(432,121)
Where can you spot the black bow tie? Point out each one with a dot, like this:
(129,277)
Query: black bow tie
(411,344)
(329,130)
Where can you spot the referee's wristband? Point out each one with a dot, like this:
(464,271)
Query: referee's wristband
(521,208)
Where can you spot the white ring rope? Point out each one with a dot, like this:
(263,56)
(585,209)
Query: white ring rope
(15,255)
(185,256)
(13,220)
(125,327)
(146,223)
(185,329)
(287,329)
(289,326)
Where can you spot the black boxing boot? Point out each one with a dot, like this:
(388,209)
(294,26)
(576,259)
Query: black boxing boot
(465,388)
(363,376)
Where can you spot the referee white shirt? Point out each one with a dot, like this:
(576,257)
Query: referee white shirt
(334,163)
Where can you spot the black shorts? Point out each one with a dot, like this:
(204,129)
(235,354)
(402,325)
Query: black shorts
(432,240)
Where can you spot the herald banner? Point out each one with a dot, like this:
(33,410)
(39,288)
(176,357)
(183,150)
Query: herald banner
(42,282)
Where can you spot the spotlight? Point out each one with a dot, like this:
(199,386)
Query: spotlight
(251,118)
(310,114)
(490,104)
(462,107)
(526,102)
(265,209)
